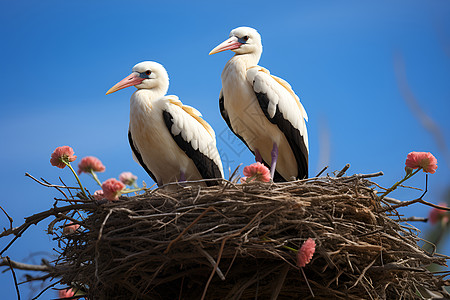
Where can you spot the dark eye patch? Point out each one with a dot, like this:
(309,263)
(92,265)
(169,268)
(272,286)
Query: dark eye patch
(145,74)
(243,39)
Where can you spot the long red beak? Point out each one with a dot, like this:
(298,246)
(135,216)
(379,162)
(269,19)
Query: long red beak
(230,44)
(132,79)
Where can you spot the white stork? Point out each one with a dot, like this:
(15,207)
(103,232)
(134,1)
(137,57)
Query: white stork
(262,109)
(168,139)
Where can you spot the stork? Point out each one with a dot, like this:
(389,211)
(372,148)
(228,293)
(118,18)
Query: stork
(262,109)
(168,139)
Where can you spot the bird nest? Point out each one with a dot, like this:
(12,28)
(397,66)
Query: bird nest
(239,242)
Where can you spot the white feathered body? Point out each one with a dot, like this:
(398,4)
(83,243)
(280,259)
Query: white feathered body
(239,84)
(159,151)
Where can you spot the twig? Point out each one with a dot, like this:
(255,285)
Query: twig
(397,267)
(36,218)
(14,277)
(280,282)
(56,187)
(191,182)
(75,221)
(418,200)
(44,290)
(39,278)
(391,200)
(306,279)
(22,266)
(234,172)
(321,171)
(70,192)
(344,169)
(187,228)
(350,178)
(100,234)
(53,185)
(212,261)
(364,272)
(219,256)
(413,219)
(9,218)
(15,238)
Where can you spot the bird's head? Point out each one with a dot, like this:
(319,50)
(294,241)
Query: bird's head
(145,75)
(243,40)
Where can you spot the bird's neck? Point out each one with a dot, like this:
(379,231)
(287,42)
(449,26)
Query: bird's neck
(248,59)
(145,97)
(238,65)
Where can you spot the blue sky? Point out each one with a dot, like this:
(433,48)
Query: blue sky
(59,58)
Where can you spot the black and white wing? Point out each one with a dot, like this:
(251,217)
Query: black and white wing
(138,157)
(224,113)
(282,107)
(194,136)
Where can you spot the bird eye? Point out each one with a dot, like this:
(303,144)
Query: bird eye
(148,72)
(245,38)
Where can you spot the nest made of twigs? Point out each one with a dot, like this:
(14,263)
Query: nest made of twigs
(237,242)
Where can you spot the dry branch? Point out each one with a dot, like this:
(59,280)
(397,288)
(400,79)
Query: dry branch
(175,243)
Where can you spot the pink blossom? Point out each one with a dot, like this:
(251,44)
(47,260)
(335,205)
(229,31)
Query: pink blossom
(424,160)
(127,178)
(437,215)
(61,156)
(112,188)
(90,163)
(98,195)
(70,228)
(67,293)
(306,252)
(256,171)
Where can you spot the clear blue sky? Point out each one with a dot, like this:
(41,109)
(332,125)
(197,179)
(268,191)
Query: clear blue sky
(58,58)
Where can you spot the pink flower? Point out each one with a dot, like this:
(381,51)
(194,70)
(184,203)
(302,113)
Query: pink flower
(90,163)
(127,178)
(98,195)
(306,252)
(67,293)
(256,171)
(424,160)
(71,228)
(437,215)
(112,188)
(61,156)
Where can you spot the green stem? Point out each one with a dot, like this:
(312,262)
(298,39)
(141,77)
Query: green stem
(289,248)
(127,191)
(286,247)
(407,176)
(78,179)
(249,179)
(94,175)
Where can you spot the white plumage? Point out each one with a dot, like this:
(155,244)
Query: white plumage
(169,140)
(262,109)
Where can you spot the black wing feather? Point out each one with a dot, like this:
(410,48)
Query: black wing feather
(205,166)
(291,133)
(139,156)
(224,113)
